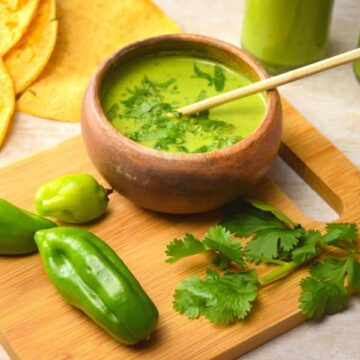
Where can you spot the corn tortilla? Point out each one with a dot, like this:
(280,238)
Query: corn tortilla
(12,4)
(7,101)
(29,57)
(15,17)
(87,36)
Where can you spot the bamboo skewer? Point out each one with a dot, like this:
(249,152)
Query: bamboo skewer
(271,83)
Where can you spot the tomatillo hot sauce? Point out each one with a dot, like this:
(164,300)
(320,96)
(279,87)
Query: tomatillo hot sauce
(357,66)
(286,34)
(138,99)
(357,69)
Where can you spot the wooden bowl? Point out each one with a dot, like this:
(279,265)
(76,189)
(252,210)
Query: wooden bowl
(180,183)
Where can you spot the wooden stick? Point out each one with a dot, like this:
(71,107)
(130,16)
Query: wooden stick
(271,83)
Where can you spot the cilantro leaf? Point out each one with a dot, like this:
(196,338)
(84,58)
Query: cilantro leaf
(353,271)
(178,249)
(269,243)
(222,299)
(203,75)
(220,240)
(340,232)
(336,270)
(217,239)
(307,248)
(330,269)
(221,262)
(276,212)
(273,232)
(219,78)
(321,297)
(245,220)
(324,291)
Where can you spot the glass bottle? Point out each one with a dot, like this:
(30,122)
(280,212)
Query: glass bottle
(286,34)
(357,66)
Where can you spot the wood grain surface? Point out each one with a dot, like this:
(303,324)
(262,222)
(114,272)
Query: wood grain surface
(40,325)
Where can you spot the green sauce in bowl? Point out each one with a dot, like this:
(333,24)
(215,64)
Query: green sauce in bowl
(138,99)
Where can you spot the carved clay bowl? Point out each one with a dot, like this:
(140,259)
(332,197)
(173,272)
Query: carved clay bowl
(175,182)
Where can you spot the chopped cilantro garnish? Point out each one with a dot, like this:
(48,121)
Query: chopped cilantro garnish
(203,75)
(147,107)
(202,95)
(112,113)
(219,78)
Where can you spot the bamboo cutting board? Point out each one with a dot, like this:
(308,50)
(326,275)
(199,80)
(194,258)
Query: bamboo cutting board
(38,324)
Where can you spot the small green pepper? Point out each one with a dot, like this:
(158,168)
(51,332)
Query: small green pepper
(17,229)
(74,199)
(89,275)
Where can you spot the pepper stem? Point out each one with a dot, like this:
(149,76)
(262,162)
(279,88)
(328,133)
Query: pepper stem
(108,192)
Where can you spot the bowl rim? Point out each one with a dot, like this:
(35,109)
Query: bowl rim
(96,82)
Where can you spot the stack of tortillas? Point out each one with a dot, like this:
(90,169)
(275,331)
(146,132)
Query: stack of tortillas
(49,50)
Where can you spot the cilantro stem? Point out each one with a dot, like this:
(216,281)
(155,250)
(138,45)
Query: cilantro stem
(348,249)
(339,247)
(282,271)
(273,261)
(287,268)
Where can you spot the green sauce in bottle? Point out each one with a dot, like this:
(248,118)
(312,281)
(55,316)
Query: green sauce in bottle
(286,34)
(357,66)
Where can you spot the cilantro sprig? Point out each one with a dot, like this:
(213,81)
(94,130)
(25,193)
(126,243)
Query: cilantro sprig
(217,240)
(271,238)
(274,235)
(180,248)
(223,299)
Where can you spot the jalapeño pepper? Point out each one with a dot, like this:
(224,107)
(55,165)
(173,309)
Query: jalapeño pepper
(17,229)
(89,275)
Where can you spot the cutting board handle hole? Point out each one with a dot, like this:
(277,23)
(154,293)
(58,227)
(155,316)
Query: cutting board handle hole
(302,193)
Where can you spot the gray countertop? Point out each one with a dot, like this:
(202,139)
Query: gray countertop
(330,100)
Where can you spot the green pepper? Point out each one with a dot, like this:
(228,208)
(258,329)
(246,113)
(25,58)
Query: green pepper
(17,229)
(90,276)
(74,199)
